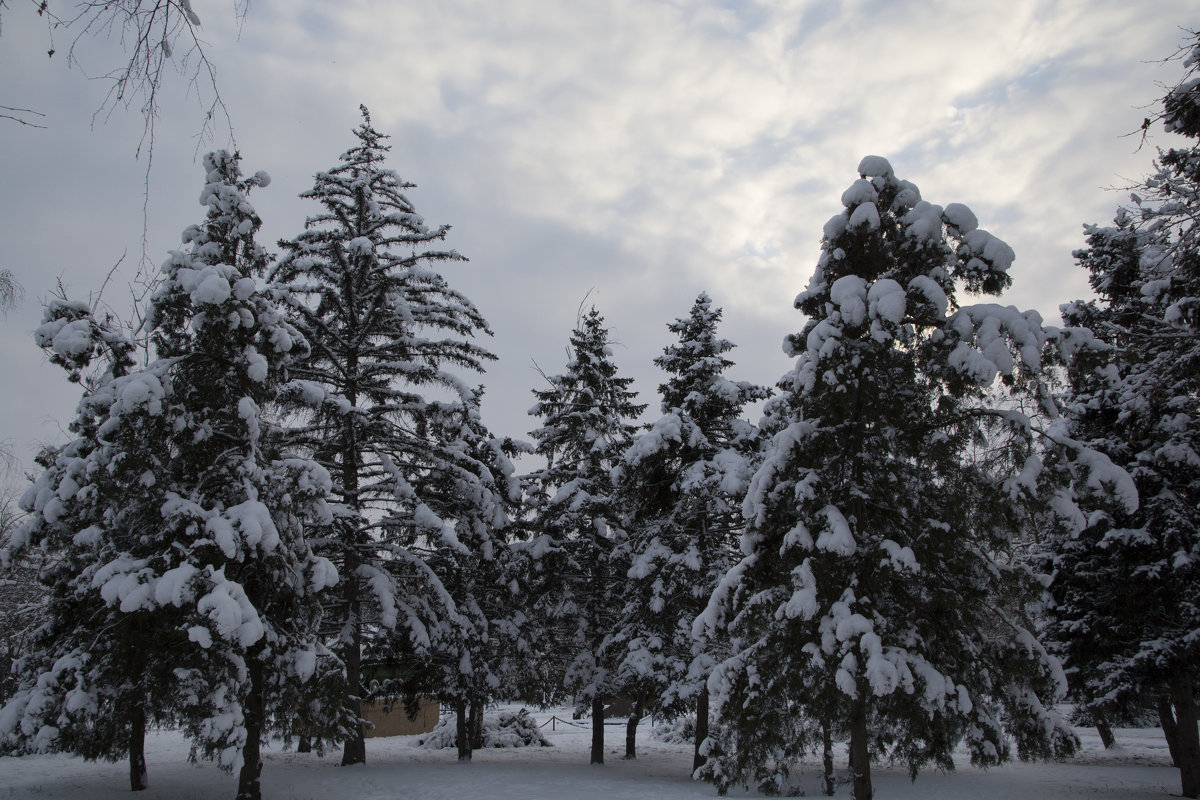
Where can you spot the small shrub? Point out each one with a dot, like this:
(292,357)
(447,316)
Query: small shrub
(681,730)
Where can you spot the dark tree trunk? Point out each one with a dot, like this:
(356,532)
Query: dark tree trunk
(305,745)
(249,786)
(1166,718)
(860,756)
(1187,736)
(597,730)
(701,728)
(138,779)
(827,762)
(1104,729)
(477,725)
(462,734)
(635,714)
(354,749)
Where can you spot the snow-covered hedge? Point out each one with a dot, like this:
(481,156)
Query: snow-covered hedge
(505,729)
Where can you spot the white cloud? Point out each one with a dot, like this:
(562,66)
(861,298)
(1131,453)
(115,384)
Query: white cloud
(647,149)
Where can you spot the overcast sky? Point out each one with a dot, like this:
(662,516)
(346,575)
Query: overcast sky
(630,152)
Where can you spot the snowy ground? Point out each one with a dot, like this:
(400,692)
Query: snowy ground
(399,770)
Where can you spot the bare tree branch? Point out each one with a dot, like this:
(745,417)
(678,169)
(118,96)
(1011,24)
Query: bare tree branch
(1171,112)
(8,112)
(156,35)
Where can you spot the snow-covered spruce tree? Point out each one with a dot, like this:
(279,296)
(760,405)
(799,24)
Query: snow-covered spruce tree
(89,508)
(874,594)
(683,481)
(234,555)
(181,524)
(1127,585)
(386,331)
(472,657)
(579,550)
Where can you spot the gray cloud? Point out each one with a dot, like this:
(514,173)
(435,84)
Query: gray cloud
(640,150)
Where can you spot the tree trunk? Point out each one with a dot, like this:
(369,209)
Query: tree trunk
(138,779)
(635,714)
(701,728)
(305,745)
(354,749)
(1188,738)
(462,734)
(1104,729)
(860,756)
(477,725)
(827,742)
(1166,718)
(249,787)
(597,730)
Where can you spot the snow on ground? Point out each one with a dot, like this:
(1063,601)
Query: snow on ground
(398,770)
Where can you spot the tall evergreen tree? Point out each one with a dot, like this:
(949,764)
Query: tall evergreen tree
(874,591)
(683,480)
(1127,583)
(579,548)
(237,506)
(386,331)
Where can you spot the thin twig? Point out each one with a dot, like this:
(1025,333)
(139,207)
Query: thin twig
(10,112)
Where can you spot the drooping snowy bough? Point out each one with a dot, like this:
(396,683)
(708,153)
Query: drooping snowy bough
(878,595)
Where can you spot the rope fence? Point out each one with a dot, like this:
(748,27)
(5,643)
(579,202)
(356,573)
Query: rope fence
(553,723)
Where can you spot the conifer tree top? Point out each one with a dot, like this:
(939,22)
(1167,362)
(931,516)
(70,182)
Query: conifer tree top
(587,409)
(887,232)
(363,194)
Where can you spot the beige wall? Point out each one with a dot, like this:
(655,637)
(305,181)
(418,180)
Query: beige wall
(396,723)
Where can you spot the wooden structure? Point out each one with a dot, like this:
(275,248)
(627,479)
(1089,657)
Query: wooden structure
(396,722)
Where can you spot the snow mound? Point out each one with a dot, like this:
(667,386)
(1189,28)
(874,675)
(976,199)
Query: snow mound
(506,729)
(875,167)
(849,294)
(961,217)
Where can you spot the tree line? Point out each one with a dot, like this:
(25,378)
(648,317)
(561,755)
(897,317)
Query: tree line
(950,517)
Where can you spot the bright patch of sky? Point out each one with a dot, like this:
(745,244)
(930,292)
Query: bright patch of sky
(640,150)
